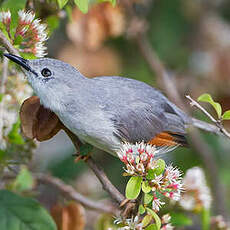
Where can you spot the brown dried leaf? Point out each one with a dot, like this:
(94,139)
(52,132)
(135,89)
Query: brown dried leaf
(37,121)
(92,29)
(48,124)
(28,113)
(69,217)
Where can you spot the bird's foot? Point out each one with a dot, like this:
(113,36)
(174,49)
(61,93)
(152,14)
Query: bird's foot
(83,153)
(80,157)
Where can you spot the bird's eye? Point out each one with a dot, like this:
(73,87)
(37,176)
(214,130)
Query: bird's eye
(46,72)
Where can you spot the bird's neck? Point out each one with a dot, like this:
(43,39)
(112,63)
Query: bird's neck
(58,97)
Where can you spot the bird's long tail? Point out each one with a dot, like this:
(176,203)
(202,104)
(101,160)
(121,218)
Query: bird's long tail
(169,139)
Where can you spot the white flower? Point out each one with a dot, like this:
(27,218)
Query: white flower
(150,150)
(141,147)
(130,169)
(176,195)
(140,167)
(156,204)
(172,173)
(40,49)
(166,218)
(143,156)
(5,16)
(25,17)
(157,180)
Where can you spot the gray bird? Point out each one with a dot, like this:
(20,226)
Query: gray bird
(105,111)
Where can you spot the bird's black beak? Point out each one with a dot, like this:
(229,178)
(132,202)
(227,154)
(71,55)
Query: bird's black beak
(21,61)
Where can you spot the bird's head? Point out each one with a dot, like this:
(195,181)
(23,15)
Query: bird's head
(49,78)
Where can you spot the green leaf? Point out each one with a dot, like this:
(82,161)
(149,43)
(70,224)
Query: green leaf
(226,115)
(24,180)
(20,213)
(113,2)
(146,220)
(68,10)
(53,23)
(150,175)
(28,55)
(145,187)
(141,209)
(133,187)
(157,171)
(62,3)
(208,98)
(18,40)
(1,96)
(205,219)
(2,154)
(14,136)
(13,5)
(180,219)
(152,227)
(160,167)
(148,198)
(156,218)
(82,5)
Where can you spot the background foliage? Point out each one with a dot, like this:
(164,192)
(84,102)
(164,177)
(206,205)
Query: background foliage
(192,38)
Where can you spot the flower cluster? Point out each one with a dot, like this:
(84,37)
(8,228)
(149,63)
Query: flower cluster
(29,35)
(169,184)
(137,158)
(140,161)
(140,157)
(197,194)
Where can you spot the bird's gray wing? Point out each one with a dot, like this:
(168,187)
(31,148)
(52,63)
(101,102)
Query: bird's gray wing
(138,111)
(142,122)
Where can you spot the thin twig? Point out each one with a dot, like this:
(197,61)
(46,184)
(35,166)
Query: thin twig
(216,122)
(6,43)
(71,193)
(195,103)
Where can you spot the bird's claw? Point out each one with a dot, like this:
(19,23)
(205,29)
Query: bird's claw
(81,157)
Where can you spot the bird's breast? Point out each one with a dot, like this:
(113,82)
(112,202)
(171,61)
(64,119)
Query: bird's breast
(93,126)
